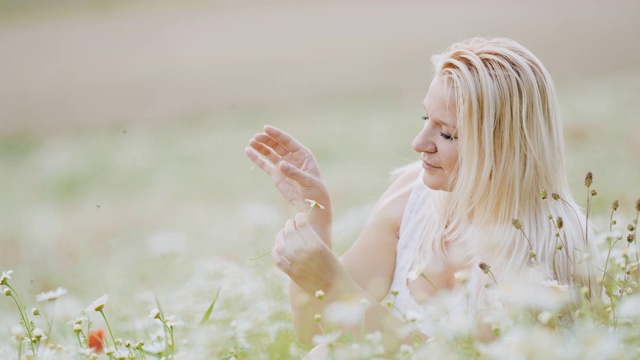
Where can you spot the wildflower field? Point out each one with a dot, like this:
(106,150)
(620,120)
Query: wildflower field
(128,222)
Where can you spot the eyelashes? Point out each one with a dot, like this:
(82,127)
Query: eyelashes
(443,134)
(448,137)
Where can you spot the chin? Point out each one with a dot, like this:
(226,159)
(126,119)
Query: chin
(435,183)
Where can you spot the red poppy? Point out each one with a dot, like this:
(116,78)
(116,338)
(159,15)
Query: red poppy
(96,339)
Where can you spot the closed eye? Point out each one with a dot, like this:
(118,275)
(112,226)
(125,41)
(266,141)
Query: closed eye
(443,134)
(447,136)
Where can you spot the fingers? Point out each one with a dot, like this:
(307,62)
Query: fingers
(259,161)
(295,174)
(272,143)
(281,253)
(303,226)
(283,138)
(264,150)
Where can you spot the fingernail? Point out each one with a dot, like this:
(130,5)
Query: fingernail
(285,166)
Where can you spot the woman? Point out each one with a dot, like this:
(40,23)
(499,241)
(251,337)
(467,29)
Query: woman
(474,207)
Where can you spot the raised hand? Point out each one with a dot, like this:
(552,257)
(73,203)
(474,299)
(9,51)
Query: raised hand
(295,173)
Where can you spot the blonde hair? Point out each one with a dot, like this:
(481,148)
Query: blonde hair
(511,149)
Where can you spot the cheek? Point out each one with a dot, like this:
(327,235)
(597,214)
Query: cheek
(452,161)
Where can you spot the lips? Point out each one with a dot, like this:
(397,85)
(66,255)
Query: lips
(428,166)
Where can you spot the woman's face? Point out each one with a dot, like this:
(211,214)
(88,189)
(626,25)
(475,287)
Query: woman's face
(437,143)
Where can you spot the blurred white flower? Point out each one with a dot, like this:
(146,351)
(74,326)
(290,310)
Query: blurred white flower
(328,338)
(461,276)
(51,295)
(38,334)
(155,347)
(406,349)
(344,312)
(17,334)
(172,322)
(415,271)
(374,337)
(98,304)
(154,314)
(629,307)
(6,276)
(544,317)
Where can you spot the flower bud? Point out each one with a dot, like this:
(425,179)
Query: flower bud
(35,311)
(588,180)
(495,330)
(461,276)
(394,292)
(594,193)
(484,267)
(6,292)
(559,222)
(317,318)
(77,328)
(615,205)
(516,224)
(584,291)
(320,295)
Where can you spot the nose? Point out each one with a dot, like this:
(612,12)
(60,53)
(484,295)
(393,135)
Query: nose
(424,142)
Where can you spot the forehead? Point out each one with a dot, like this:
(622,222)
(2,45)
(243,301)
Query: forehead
(440,103)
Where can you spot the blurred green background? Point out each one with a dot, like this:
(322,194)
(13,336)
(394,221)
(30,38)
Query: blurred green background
(122,125)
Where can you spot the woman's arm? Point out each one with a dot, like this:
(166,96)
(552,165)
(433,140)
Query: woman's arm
(367,267)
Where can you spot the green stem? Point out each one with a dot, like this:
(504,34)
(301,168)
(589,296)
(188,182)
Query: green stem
(23,315)
(170,330)
(429,281)
(109,328)
(606,263)
(48,327)
(50,323)
(79,340)
(263,255)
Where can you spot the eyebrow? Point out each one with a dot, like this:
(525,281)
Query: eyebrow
(440,121)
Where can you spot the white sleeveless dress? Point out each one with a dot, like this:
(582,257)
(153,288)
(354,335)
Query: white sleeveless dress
(404,304)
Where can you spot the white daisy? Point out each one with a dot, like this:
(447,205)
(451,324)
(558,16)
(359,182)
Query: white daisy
(98,304)
(51,295)
(155,314)
(313,203)
(6,275)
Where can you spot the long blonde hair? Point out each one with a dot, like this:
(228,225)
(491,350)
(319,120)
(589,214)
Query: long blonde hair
(511,150)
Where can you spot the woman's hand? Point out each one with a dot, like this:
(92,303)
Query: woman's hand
(295,173)
(308,261)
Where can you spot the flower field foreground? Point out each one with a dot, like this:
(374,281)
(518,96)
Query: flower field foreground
(240,310)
